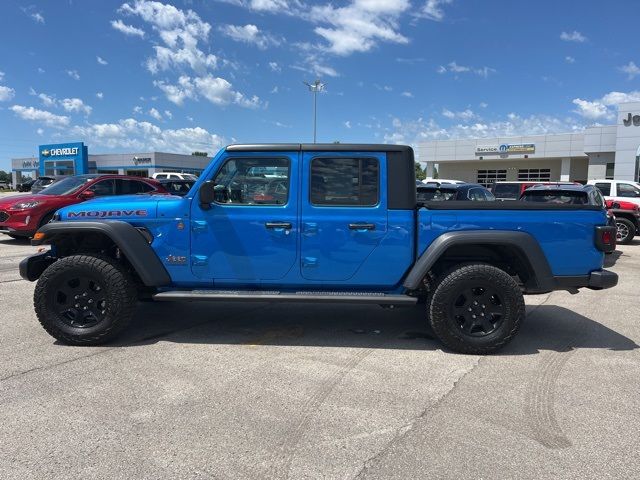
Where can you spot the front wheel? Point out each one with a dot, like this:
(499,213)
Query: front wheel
(84,299)
(625,231)
(476,309)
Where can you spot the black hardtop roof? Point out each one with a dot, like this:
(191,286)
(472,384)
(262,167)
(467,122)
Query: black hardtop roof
(448,186)
(318,147)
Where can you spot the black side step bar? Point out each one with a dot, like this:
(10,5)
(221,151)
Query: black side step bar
(373,298)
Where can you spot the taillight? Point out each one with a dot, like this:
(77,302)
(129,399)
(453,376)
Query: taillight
(605,238)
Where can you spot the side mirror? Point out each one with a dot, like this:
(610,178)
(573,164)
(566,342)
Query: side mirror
(207,194)
(87,195)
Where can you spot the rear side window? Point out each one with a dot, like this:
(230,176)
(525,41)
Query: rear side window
(131,187)
(103,188)
(161,176)
(560,198)
(435,194)
(345,181)
(628,190)
(605,188)
(507,190)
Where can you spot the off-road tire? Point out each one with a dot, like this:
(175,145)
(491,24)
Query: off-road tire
(627,229)
(442,308)
(110,281)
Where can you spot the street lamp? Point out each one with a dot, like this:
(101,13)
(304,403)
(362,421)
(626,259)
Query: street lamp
(315,87)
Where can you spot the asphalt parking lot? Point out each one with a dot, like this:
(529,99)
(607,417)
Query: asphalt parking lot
(293,391)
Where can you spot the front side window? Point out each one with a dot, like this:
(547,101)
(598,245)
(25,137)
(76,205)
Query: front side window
(628,190)
(131,187)
(605,188)
(103,188)
(253,181)
(345,181)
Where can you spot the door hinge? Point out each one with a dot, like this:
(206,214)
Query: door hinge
(199,260)
(198,225)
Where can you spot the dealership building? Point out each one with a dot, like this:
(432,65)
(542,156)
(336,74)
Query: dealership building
(610,151)
(74,159)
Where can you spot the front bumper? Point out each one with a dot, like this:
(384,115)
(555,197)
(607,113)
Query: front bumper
(596,280)
(32,267)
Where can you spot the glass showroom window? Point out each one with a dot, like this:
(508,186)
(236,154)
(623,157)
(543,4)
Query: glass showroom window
(486,178)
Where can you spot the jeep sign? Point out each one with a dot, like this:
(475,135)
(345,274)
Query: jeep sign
(631,120)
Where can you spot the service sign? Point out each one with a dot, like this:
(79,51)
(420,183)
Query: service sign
(506,148)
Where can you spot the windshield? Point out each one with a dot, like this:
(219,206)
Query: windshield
(564,198)
(506,190)
(66,186)
(435,195)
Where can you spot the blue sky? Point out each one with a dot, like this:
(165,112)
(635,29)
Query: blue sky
(195,75)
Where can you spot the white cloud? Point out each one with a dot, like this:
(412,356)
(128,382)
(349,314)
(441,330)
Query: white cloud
(129,30)
(359,26)
(250,34)
(215,89)
(432,9)
(1,76)
(413,131)
(6,93)
(272,65)
(483,104)
(465,115)
(137,110)
(604,107)
(569,59)
(37,17)
(574,36)
(100,95)
(40,70)
(631,69)
(347,124)
(179,30)
(407,94)
(270,5)
(168,114)
(155,114)
(40,131)
(40,116)
(101,60)
(73,74)
(456,69)
(75,105)
(274,90)
(47,100)
(131,133)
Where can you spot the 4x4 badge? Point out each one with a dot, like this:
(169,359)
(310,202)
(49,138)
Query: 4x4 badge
(177,260)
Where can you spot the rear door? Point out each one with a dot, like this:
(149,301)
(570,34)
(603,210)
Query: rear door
(344,212)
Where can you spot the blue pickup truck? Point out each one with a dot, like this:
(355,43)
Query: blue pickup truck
(314,223)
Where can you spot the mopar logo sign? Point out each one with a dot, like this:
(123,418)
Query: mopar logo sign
(506,148)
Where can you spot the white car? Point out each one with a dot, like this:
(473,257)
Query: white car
(173,176)
(618,190)
(441,181)
(5,186)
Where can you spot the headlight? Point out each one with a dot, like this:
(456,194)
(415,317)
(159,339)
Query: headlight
(24,205)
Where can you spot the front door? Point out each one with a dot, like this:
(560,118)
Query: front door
(344,215)
(250,232)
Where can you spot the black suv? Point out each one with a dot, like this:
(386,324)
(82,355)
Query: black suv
(458,191)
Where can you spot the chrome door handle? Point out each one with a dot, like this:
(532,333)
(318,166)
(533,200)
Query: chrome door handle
(285,225)
(362,226)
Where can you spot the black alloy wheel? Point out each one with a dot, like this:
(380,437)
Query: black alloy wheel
(478,310)
(80,301)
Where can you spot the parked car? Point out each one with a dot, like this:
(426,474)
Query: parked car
(513,190)
(25,186)
(618,190)
(441,181)
(344,227)
(177,187)
(174,176)
(5,186)
(44,181)
(22,215)
(627,218)
(460,191)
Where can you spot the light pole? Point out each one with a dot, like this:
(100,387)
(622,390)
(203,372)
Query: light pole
(314,88)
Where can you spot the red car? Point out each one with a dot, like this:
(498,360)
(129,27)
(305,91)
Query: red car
(22,215)
(627,219)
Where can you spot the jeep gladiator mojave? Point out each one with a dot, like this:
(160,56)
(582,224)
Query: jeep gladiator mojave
(314,223)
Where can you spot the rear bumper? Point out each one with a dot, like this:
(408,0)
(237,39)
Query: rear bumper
(596,280)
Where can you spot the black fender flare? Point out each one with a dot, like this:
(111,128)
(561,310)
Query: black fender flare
(527,247)
(128,238)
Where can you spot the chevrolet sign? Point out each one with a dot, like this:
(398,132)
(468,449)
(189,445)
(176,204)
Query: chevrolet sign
(60,152)
(505,148)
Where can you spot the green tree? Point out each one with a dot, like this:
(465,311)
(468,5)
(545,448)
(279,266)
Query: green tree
(5,177)
(420,173)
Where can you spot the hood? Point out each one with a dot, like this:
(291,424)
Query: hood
(115,208)
(12,199)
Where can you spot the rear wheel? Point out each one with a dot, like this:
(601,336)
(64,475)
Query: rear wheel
(476,309)
(84,300)
(625,231)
